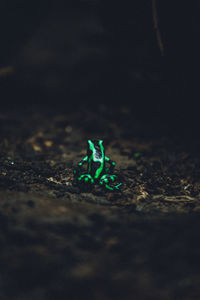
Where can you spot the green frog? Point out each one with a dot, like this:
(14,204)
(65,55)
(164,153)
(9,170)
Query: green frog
(97,171)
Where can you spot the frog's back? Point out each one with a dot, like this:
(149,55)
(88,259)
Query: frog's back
(96,158)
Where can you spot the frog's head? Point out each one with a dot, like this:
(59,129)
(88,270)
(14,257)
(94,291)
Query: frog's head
(95,145)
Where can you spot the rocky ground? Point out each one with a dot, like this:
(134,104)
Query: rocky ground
(61,242)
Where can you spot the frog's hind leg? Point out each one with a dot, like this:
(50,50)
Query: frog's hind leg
(107,181)
(86,178)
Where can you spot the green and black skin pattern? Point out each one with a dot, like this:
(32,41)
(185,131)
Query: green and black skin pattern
(97,171)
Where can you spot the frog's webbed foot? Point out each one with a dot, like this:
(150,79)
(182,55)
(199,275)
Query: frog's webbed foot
(107,181)
(86,178)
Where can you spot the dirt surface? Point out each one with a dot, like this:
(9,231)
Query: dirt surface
(60,242)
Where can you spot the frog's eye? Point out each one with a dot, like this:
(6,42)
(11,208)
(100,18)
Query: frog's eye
(90,143)
(90,147)
(94,142)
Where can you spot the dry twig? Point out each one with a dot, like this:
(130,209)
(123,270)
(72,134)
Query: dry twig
(156,27)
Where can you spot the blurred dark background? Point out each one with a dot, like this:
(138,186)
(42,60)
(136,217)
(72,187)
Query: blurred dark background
(68,54)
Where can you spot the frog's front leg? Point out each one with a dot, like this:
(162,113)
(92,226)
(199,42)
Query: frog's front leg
(86,178)
(112,165)
(78,169)
(108,179)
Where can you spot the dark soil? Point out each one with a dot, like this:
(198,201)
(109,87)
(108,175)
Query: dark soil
(61,242)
